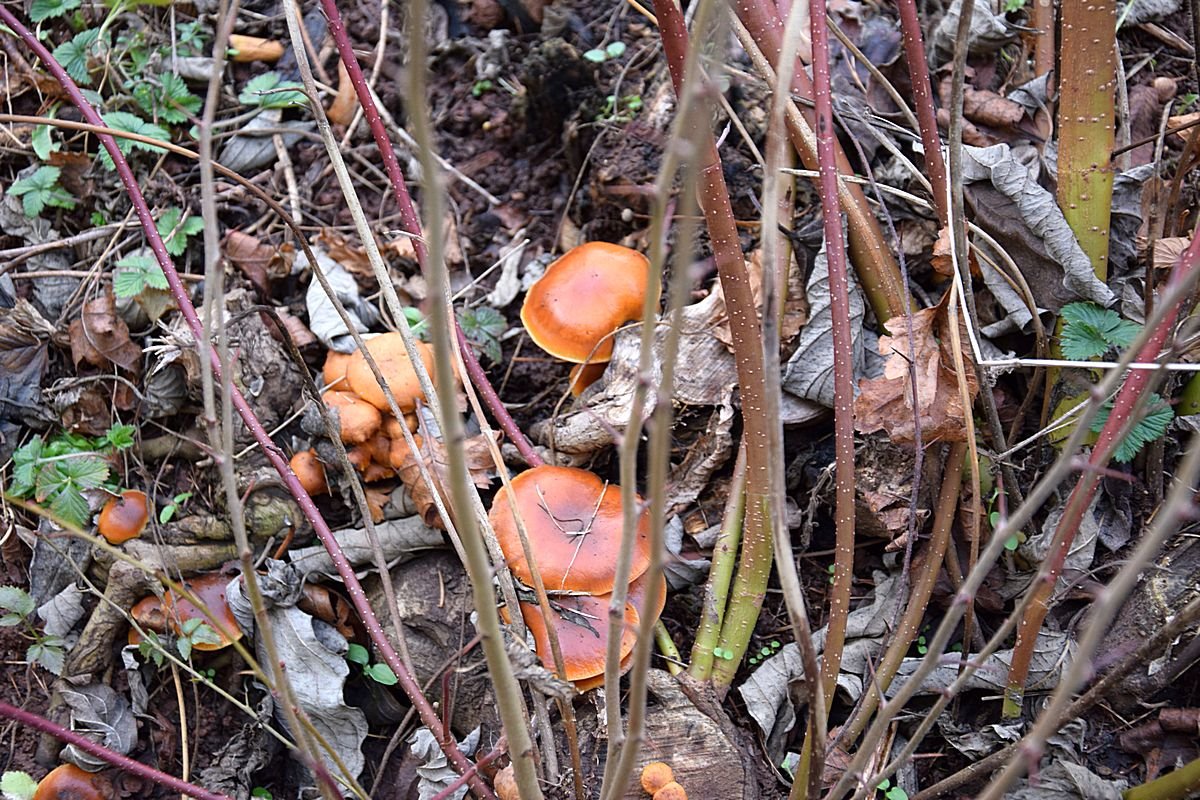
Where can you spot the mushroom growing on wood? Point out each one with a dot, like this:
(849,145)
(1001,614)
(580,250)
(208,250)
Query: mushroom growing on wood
(358,420)
(392,358)
(584,296)
(209,589)
(573,521)
(581,623)
(124,518)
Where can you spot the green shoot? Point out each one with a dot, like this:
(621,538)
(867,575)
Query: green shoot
(480,87)
(169,511)
(378,672)
(168,98)
(16,785)
(176,231)
(132,123)
(135,273)
(194,632)
(599,56)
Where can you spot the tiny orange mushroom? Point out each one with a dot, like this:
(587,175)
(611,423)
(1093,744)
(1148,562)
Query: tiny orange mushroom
(358,420)
(333,373)
(310,472)
(672,791)
(124,517)
(583,297)
(392,358)
(656,775)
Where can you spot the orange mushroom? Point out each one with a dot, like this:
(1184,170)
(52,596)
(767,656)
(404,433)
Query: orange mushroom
(584,375)
(310,472)
(254,48)
(333,373)
(583,297)
(124,517)
(656,775)
(638,601)
(357,420)
(209,589)
(391,356)
(574,522)
(672,791)
(581,622)
(69,782)
(148,614)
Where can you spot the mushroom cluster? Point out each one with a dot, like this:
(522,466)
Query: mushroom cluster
(376,445)
(573,521)
(583,297)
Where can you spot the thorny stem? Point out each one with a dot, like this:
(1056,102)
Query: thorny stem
(118,760)
(345,570)
(411,223)
(750,585)
(1122,417)
(506,688)
(918,69)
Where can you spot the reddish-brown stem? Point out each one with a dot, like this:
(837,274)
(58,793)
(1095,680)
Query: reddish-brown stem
(428,716)
(918,69)
(118,760)
(843,355)
(1081,496)
(410,222)
(500,749)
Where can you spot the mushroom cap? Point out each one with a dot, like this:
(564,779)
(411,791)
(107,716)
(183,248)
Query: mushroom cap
(389,353)
(573,520)
(505,784)
(656,775)
(124,518)
(68,782)
(334,372)
(209,589)
(310,472)
(358,420)
(583,297)
(672,791)
(582,633)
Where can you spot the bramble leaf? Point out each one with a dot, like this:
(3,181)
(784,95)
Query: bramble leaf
(1153,424)
(1090,331)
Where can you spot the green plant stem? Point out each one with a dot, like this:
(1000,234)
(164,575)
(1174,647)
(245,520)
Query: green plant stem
(1086,132)
(720,573)
(1176,785)
(749,587)
(668,648)
(444,327)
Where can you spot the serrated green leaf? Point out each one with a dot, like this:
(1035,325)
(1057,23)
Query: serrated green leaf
(184,646)
(203,634)
(175,235)
(49,480)
(270,90)
(357,654)
(75,53)
(1151,426)
(135,272)
(132,123)
(119,436)
(86,473)
(42,10)
(16,785)
(382,674)
(41,189)
(68,505)
(16,600)
(1089,331)
(49,657)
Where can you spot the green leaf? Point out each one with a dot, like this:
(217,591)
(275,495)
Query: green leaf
(132,123)
(43,145)
(203,634)
(1090,331)
(184,646)
(119,436)
(68,505)
(260,792)
(25,465)
(175,235)
(136,272)
(75,53)
(615,49)
(270,90)
(87,473)
(41,189)
(483,327)
(596,56)
(1153,424)
(381,673)
(896,793)
(16,600)
(16,785)
(42,10)
(10,621)
(51,657)
(357,654)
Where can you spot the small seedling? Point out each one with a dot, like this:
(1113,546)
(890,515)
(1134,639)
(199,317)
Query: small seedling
(169,511)
(41,189)
(166,98)
(132,123)
(831,569)
(627,109)
(480,87)
(16,609)
(378,672)
(176,229)
(1013,6)
(922,645)
(483,327)
(599,56)
(262,793)
(891,792)
(135,273)
(194,632)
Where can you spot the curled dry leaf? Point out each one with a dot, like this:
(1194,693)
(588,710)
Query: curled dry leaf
(101,338)
(259,261)
(886,403)
(433,453)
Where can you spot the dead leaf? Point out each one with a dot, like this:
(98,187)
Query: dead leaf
(258,261)
(1167,251)
(886,403)
(433,452)
(991,109)
(24,335)
(100,337)
(341,110)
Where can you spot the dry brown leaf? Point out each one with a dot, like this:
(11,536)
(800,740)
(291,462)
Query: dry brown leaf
(433,453)
(100,337)
(1167,251)
(341,110)
(941,260)
(988,108)
(886,403)
(258,261)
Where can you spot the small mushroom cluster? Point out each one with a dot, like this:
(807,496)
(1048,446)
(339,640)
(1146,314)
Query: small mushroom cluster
(573,521)
(376,445)
(658,781)
(583,297)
